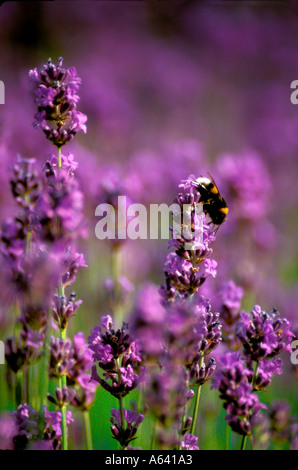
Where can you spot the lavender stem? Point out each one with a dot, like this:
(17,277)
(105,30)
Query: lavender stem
(88,430)
(195,413)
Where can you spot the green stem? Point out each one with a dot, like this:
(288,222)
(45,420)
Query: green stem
(19,388)
(88,430)
(27,384)
(116,272)
(228,437)
(120,399)
(43,369)
(59,158)
(196,407)
(62,381)
(255,374)
(244,439)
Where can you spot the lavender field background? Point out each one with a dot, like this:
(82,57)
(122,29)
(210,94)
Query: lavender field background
(170,90)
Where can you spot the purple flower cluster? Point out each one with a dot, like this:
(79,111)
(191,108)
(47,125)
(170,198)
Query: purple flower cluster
(175,339)
(264,335)
(193,333)
(189,442)
(118,355)
(28,429)
(73,360)
(39,251)
(188,267)
(167,395)
(56,99)
(234,382)
(125,435)
(230,296)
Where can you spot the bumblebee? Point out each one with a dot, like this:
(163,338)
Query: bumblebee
(214,204)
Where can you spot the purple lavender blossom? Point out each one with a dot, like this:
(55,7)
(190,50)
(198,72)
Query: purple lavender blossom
(71,262)
(189,442)
(8,430)
(59,208)
(53,426)
(241,173)
(147,321)
(118,355)
(62,357)
(264,335)
(25,182)
(85,392)
(283,423)
(133,421)
(233,381)
(266,371)
(63,310)
(189,266)
(167,394)
(24,349)
(56,99)
(230,296)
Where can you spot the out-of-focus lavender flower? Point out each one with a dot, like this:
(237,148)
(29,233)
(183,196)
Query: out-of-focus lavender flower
(114,191)
(63,396)
(71,262)
(53,426)
(8,430)
(193,332)
(56,99)
(125,288)
(167,394)
(63,310)
(68,163)
(229,305)
(24,349)
(79,375)
(59,208)
(38,430)
(61,357)
(26,419)
(230,296)
(85,392)
(82,357)
(283,424)
(189,442)
(264,335)
(260,435)
(233,381)
(247,184)
(25,182)
(147,321)
(265,372)
(133,420)
(118,355)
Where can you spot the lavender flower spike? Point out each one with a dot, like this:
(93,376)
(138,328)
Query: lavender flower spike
(56,99)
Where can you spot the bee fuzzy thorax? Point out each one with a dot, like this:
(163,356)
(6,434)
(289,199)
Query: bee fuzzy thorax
(214,205)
